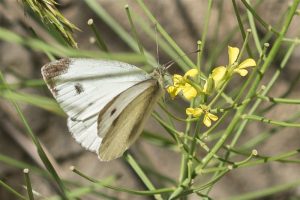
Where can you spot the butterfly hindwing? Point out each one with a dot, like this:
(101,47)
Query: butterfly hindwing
(119,129)
(84,87)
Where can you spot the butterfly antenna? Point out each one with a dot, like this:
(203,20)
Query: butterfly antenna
(168,64)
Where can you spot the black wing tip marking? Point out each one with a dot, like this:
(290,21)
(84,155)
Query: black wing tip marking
(54,69)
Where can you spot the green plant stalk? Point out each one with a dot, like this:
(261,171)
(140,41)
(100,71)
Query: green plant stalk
(204,33)
(24,84)
(241,26)
(120,189)
(199,44)
(259,19)
(259,160)
(269,121)
(265,66)
(96,7)
(85,190)
(40,150)
(237,135)
(28,184)
(266,90)
(133,30)
(100,42)
(291,88)
(138,170)
(267,191)
(279,100)
(254,31)
(60,51)
(220,92)
(11,190)
(39,101)
(264,135)
(18,164)
(245,102)
(189,63)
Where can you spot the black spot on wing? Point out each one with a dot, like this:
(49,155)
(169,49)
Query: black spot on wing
(79,88)
(113,111)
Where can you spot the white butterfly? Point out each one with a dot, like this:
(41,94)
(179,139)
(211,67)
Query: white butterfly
(106,110)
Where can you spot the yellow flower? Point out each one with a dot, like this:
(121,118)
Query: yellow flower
(197,112)
(219,73)
(180,84)
(173,91)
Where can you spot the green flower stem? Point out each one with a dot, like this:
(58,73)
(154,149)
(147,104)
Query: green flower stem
(279,100)
(11,190)
(214,126)
(100,42)
(267,191)
(138,170)
(254,31)
(259,19)
(245,44)
(24,84)
(19,164)
(259,160)
(28,184)
(133,30)
(120,189)
(199,47)
(62,51)
(266,134)
(243,124)
(265,91)
(230,72)
(173,132)
(253,74)
(269,121)
(189,63)
(36,142)
(175,117)
(265,66)
(276,75)
(241,26)
(123,34)
(292,40)
(204,33)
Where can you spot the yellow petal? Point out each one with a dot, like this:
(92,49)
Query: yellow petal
(189,91)
(247,63)
(233,53)
(212,116)
(242,72)
(206,121)
(173,91)
(218,74)
(177,80)
(191,73)
(196,112)
(189,111)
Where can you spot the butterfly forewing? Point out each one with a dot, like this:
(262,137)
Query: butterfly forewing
(84,87)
